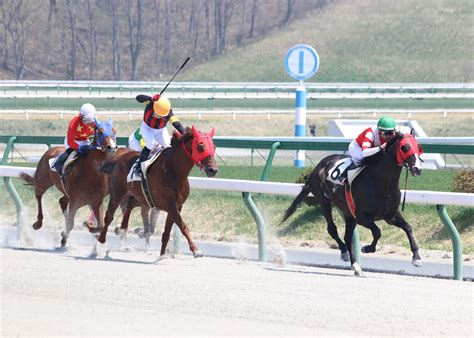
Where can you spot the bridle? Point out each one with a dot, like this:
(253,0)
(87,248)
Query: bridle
(197,156)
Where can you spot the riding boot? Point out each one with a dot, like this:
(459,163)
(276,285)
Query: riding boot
(58,165)
(143,157)
(342,178)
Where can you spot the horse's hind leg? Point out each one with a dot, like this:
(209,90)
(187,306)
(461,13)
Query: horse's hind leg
(348,235)
(332,229)
(39,218)
(63,202)
(69,223)
(400,222)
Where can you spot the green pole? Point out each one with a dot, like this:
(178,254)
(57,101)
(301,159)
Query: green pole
(257,216)
(12,191)
(455,239)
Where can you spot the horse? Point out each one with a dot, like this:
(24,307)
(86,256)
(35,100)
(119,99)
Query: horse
(82,182)
(375,194)
(167,180)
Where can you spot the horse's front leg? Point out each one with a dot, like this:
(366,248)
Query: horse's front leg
(348,235)
(165,237)
(398,221)
(369,223)
(176,217)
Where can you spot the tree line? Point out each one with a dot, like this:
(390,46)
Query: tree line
(130,39)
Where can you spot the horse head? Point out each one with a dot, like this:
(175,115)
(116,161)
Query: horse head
(407,152)
(105,135)
(200,148)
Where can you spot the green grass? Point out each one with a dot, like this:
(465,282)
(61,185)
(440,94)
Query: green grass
(362,41)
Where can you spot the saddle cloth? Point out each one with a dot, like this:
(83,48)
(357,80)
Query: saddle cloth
(338,169)
(132,176)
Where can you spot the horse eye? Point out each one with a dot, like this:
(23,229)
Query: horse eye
(200,147)
(406,148)
(101,130)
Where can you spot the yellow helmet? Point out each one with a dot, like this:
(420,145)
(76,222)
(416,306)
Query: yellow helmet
(162,106)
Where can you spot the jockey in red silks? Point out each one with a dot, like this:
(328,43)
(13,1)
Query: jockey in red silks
(81,128)
(157,114)
(369,143)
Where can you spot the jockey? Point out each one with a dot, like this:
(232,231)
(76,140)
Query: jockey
(157,114)
(369,143)
(80,129)
(136,141)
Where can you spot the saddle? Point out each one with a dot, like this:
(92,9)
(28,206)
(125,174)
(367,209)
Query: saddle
(338,169)
(132,176)
(70,159)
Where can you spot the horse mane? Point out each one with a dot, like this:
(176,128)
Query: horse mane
(177,138)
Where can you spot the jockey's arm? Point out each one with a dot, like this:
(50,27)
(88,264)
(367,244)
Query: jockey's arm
(175,122)
(370,151)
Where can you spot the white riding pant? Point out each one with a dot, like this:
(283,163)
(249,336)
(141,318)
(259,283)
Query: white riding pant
(133,143)
(79,143)
(151,136)
(355,150)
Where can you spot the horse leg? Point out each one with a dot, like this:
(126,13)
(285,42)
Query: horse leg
(376,234)
(165,237)
(109,216)
(332,229)
(400,222)
(349,233)
(97,211)
(69,223)
(63,202)
(176,216)
(153,220)
(39,219)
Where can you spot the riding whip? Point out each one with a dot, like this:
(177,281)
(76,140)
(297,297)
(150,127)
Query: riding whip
(182,66)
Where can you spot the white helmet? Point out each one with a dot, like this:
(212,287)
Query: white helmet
(88,112)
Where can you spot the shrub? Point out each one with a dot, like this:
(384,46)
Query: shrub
(464,181)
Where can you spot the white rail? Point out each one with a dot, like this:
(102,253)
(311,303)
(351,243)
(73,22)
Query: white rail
(289,189)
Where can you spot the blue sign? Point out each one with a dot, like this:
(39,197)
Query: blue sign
(301,62)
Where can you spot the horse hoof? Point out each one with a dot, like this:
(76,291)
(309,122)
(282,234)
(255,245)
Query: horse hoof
(417,263)
(345,257)
(100,239)
(63,242)
(357,269)
(37,225)
(161,258)
(367,249)
(198,254)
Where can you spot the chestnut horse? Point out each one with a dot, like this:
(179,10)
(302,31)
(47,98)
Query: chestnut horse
(167,180)
(82,184)
(375,192)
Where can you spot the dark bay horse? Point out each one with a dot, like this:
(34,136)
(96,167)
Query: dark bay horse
(167,180)
(375,192)
(83,183)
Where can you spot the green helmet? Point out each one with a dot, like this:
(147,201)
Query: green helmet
(386,123)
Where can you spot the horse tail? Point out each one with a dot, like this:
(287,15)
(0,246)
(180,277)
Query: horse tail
(296,203)
(29,180)
(107,167)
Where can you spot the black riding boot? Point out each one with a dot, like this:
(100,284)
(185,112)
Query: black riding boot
(342,178)
(58,165)
(143,157)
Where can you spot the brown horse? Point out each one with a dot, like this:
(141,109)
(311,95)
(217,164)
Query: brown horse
(82,183)
(167,180)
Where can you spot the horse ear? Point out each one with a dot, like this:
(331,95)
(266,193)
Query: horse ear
(97,122)
(195,131)
(412,132)
(211,134)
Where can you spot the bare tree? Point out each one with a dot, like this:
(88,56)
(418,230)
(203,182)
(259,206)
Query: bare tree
(167,35)
(6,21)
(156,40)
(90,51)
(70,21)
(289,11)
(116,68)
(253,16)
(134,12)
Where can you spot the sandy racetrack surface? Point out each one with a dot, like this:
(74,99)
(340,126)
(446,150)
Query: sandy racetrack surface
(47,292)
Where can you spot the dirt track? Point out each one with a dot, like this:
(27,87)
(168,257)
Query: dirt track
(46,292)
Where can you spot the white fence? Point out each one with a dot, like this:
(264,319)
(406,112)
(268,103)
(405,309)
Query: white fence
(289,189)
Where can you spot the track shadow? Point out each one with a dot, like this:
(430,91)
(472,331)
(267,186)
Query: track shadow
(312,215)
(314,272)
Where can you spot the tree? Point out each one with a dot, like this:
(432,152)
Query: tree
(253,16)
(90,51)
(134,10)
